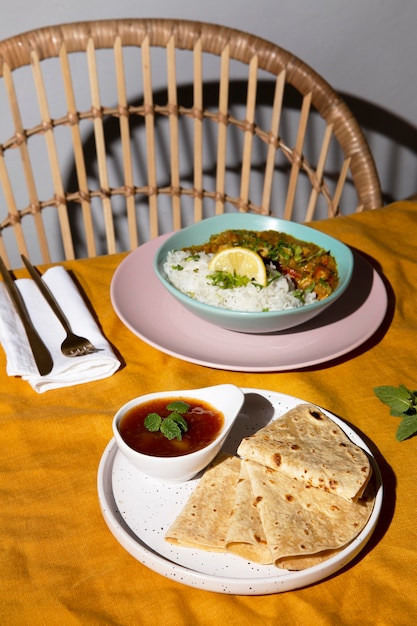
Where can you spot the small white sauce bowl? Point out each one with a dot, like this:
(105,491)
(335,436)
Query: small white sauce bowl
(228,399)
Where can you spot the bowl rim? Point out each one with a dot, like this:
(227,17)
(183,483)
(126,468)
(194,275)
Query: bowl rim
(160,256)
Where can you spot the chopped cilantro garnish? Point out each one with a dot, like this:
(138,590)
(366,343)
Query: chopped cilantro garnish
(192,257)
(226,280)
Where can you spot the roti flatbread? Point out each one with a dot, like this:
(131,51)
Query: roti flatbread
(203,521)
(295,500)
(302,523)
(245,534)
(307,445)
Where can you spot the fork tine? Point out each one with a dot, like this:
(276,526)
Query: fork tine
(73,345)
(77,346)
(82,351)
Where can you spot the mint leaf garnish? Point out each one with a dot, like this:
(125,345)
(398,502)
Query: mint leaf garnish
(402,403)
(173,425)
(179,419)
(153,422)
(179,406)
(170,429)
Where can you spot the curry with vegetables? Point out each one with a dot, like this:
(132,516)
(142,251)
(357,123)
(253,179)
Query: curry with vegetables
(310,267)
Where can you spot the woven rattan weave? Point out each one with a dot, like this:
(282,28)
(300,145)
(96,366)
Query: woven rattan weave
(154,124)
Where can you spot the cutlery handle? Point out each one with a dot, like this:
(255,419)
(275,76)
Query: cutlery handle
(47,294)
(40,352)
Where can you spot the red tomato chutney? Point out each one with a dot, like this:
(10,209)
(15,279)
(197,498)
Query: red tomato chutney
(204,424)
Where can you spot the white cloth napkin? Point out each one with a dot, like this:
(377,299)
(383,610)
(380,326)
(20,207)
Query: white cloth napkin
(66,370)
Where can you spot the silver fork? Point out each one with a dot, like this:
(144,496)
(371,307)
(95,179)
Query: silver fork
(73,345)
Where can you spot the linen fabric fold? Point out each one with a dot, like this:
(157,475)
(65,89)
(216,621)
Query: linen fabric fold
(66,371)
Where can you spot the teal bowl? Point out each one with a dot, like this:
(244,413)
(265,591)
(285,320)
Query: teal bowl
(263,321)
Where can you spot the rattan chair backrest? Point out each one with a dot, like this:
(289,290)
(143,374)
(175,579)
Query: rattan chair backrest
(112,132)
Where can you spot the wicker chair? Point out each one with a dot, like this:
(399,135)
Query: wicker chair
(115,131)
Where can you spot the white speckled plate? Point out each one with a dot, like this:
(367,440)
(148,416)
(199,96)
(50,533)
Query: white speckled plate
(138,511)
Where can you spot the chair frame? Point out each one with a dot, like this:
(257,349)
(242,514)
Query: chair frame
(32,48)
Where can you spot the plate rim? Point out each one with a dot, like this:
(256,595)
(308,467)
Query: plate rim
(284,581)
(381,311)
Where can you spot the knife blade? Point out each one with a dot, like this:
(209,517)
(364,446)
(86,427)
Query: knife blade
(40,352)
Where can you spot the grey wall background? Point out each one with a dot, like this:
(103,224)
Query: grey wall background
(366,49)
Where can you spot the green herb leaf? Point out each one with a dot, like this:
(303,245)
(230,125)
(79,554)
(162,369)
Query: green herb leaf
(178,419)
(153,422)
(402,403)
(226,280)
(407,428)
(178,406)
(170,429)
(399,399)
(299,293)
(173,425)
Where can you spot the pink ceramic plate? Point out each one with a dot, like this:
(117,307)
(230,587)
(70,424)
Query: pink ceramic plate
(152,314)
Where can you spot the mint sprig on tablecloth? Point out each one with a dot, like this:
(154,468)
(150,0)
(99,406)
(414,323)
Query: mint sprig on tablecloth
(403,403)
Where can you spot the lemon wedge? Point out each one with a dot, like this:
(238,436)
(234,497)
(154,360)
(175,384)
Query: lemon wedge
(240,261)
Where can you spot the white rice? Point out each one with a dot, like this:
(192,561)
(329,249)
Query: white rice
(192,280)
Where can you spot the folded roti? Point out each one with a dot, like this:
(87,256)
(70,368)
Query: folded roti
(307,445)
(221,516)
(304,525)
(295,501)
(203,521)
(245,534)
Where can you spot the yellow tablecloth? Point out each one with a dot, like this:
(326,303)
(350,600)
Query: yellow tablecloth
(61,565)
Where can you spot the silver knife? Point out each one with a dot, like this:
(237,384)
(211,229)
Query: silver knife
(40,352)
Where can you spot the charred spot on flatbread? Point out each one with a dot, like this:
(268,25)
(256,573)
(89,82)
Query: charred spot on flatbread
(276,459)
